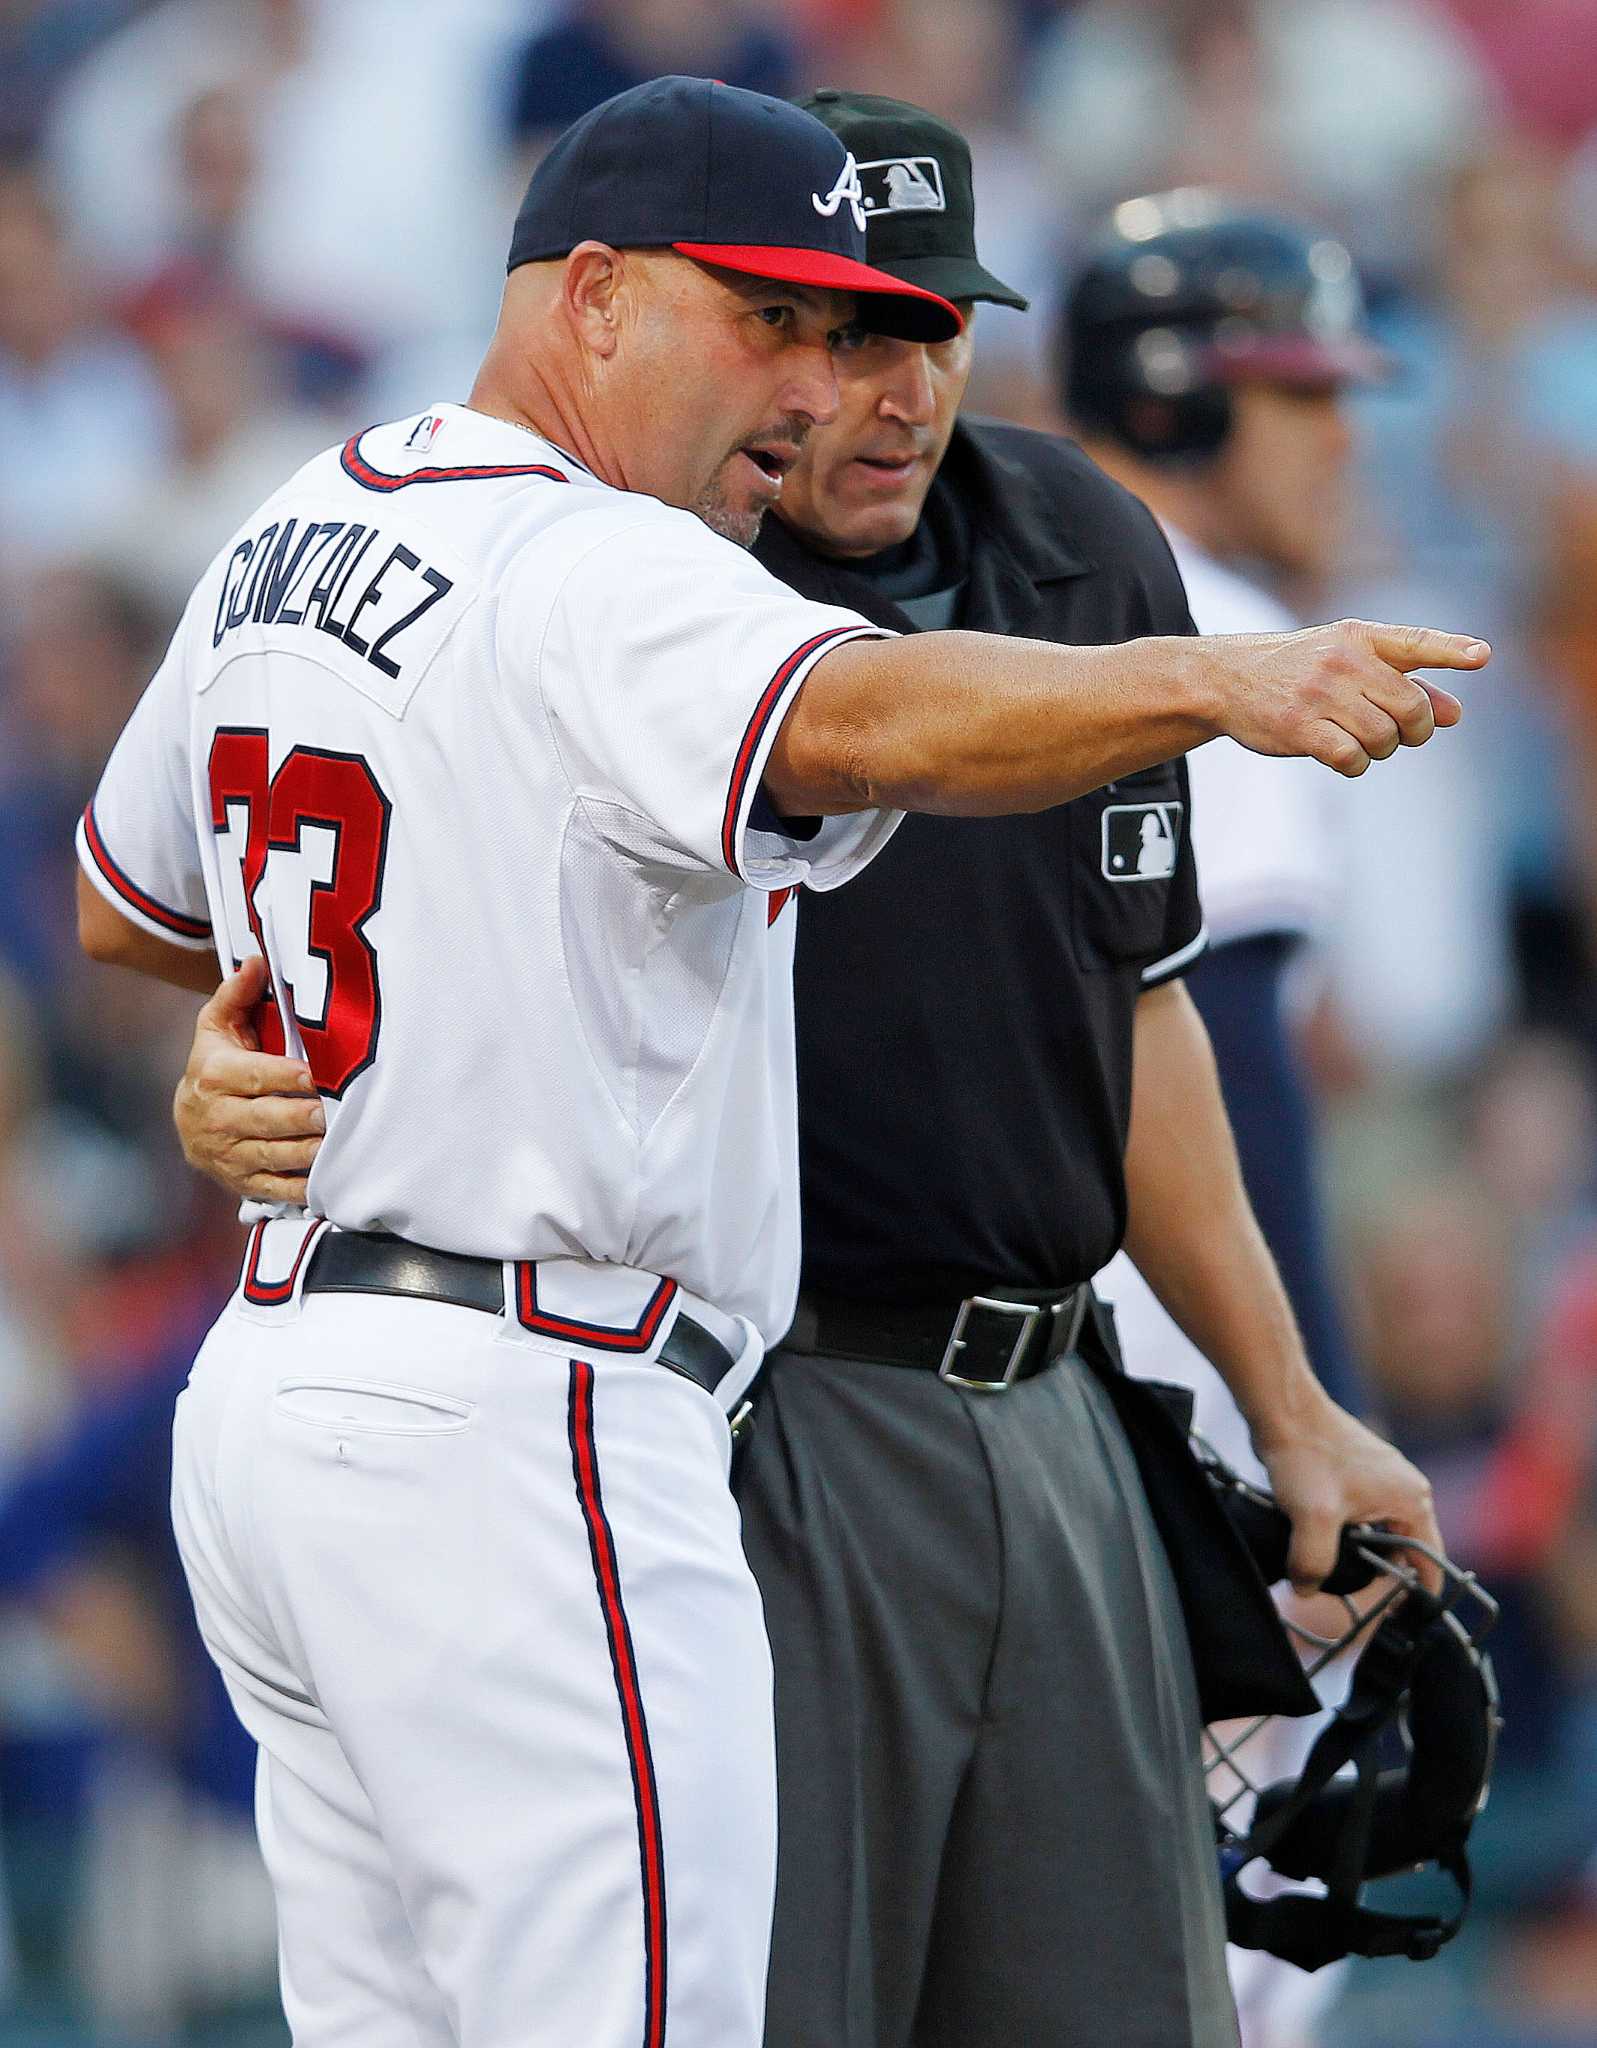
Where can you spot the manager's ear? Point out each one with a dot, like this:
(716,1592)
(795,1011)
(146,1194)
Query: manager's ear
(590,294)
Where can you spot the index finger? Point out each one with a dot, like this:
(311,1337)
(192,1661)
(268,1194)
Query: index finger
(1407,647)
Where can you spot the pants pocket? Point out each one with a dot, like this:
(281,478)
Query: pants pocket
(376,1406)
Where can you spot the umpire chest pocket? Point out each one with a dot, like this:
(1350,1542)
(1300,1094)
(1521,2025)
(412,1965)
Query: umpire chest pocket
(1125,842)
(373,1406)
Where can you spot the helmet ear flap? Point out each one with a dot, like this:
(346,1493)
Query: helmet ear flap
(1112,396)
(1204,424)
(1191,428)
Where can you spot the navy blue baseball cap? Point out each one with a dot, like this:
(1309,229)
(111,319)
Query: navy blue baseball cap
(729,177)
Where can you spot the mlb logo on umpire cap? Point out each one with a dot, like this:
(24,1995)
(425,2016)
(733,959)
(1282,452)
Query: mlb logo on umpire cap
(730,178)
(915,185)
(1140,841)
(903,184)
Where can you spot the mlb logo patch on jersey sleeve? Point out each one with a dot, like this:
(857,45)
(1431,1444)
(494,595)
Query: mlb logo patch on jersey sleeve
(1140,841)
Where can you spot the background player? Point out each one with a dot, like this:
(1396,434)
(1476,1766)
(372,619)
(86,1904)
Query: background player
(1242,452)
(883,1605)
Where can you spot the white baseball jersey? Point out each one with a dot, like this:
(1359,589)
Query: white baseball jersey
(470,745)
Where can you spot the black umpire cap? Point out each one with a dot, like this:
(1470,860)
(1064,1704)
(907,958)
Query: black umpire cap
(730,177)
(915,183)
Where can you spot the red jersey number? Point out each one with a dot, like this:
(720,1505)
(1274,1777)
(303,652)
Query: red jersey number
(325,819)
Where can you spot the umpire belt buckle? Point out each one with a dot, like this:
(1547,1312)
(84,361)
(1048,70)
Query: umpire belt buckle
(1029,1315)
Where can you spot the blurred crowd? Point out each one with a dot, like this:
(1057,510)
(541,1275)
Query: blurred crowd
(233,231)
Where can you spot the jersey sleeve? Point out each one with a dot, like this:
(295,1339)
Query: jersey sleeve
(667,663)
(1185,935)
(136,840)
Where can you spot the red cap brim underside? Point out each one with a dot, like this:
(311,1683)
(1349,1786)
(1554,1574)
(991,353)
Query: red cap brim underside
(830,273)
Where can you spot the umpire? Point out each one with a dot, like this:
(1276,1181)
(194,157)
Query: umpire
(992,1829)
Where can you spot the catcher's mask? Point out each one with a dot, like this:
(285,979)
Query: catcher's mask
(1396,1778)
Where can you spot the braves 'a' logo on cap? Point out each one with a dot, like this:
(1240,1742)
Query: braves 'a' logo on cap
(903,184)
(847,187)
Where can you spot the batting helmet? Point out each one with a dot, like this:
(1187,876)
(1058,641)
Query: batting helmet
(1183,296)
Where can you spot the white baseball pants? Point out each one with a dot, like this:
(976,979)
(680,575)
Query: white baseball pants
(484,1607)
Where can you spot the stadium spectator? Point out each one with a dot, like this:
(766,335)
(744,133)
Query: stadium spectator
(41,41)
(108,138)
(1348,107)
(375,231)
(595,48)
(81,649)
(81,418)
(234,426)
(1542,55)
(1458,500)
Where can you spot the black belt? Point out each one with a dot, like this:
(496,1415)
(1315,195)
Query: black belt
(364,1262)
(985,1342)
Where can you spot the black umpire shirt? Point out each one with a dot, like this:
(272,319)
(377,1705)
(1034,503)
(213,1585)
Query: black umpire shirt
(965,1005)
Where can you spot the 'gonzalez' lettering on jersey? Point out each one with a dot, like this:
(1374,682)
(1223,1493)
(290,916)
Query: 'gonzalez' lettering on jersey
(335,576)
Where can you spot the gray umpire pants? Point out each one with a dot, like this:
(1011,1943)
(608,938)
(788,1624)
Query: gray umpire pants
(992,1830)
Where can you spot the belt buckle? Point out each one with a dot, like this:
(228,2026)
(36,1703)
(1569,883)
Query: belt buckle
(1030,1315)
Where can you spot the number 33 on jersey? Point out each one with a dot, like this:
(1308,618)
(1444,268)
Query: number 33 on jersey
(321,825)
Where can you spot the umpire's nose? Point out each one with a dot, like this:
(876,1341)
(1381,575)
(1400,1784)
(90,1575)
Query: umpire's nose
(908,396)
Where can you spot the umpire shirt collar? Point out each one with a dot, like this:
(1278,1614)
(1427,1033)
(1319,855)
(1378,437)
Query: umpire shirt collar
(1016,545)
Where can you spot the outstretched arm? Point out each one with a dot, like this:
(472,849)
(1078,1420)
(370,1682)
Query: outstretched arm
(976,724)
(1194,1238)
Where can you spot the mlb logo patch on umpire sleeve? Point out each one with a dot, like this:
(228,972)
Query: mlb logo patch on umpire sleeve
(1140,841)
